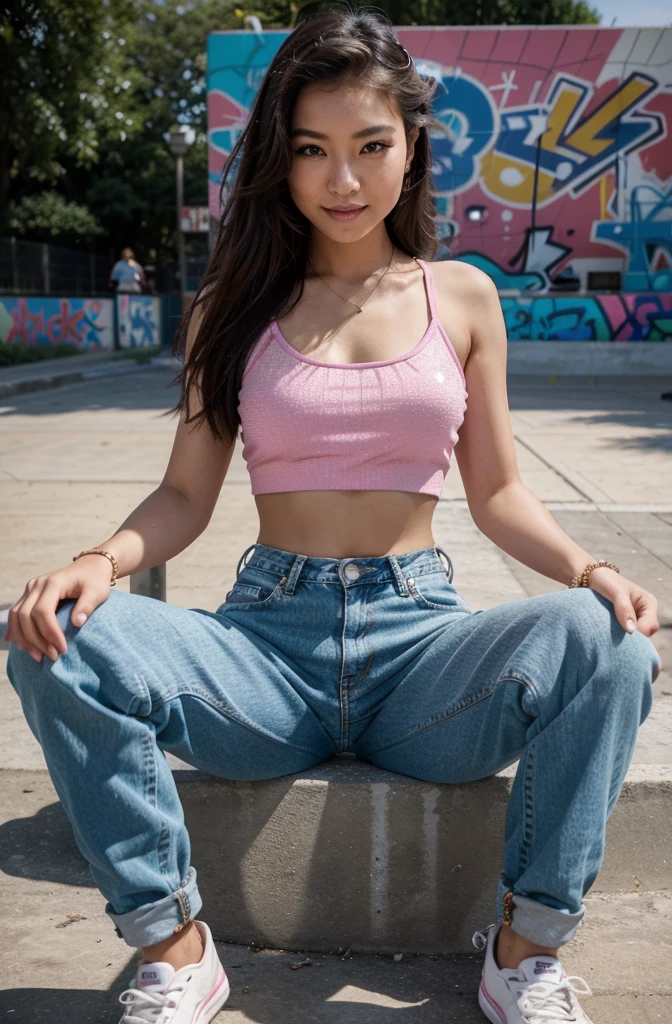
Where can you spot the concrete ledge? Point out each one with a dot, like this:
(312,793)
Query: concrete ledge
(590,357)
(349,855)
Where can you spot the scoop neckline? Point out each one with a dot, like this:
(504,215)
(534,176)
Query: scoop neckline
(282,341)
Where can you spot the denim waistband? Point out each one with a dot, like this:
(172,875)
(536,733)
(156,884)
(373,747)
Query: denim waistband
(348,571)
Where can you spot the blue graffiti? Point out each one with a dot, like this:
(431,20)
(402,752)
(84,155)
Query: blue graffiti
(528,282)
(139,327)
(648,231)
(470,122)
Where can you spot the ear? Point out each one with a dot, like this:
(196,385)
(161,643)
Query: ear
(410,146)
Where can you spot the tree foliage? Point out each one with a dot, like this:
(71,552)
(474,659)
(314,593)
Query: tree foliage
(475,12)
(58,59)
(48,216)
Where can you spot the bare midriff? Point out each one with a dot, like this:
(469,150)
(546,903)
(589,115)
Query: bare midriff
(346,524)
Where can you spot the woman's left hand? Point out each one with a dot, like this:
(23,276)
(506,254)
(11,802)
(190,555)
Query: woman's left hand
(635,607)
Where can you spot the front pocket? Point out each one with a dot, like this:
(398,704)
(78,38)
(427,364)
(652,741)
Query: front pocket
(262,592)
(434,591)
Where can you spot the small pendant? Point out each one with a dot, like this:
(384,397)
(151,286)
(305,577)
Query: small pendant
(359,309)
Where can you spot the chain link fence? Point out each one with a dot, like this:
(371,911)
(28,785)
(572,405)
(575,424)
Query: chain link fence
(36,268)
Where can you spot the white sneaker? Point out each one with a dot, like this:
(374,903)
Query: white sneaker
(537,992)
(192,995)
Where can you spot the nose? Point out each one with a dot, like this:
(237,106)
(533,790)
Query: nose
(343,181)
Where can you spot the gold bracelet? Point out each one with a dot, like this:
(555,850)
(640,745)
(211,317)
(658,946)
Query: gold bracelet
(582,579)
(99,551)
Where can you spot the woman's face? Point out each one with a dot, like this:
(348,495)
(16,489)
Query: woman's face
(349,149)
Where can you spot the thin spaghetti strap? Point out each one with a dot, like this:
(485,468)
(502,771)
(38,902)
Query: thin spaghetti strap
(429,286)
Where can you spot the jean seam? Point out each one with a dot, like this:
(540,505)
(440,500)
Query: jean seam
(438,720)
(456,709)
(530,686)
(218,706)
(528,816)
(163,844)
(342,742)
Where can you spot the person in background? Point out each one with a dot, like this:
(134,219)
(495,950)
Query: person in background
(127,273)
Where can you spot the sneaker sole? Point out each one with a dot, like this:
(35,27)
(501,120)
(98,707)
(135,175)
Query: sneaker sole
(214,1001)
(492,1011)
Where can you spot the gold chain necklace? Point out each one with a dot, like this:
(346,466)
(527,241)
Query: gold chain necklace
(359,308)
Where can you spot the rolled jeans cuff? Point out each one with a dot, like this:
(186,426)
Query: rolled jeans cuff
(157,921)
(539,923)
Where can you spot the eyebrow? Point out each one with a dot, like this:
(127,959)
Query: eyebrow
(355,135)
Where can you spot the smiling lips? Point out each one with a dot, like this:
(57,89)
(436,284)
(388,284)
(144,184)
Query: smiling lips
(348,212)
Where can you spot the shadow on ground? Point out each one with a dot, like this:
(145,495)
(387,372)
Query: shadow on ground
(355,989)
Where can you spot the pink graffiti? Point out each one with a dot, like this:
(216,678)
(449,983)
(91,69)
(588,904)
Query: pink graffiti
(66,325)
(630,316)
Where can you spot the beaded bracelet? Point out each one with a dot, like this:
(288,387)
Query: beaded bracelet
(582,579)
(99,551)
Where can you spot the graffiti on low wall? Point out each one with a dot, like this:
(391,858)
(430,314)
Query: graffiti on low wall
(86,323)
(138,321)
(611,317)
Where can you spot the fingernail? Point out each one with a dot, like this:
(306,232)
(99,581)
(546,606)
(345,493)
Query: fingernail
(53,653)
(630,626)
(35,657)
(81,618)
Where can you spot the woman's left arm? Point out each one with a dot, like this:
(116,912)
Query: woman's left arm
(500,504)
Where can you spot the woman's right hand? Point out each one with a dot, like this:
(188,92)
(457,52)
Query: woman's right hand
(32,623)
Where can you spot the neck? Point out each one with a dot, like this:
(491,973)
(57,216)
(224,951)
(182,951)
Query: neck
(349,262)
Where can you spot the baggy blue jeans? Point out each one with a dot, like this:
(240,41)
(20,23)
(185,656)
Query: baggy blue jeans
(311,656)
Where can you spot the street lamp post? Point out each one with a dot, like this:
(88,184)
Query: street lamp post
(179,142)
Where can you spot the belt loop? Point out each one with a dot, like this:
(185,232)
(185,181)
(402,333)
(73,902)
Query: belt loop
(242,557)
(398,575)
(297,566)
(449,570)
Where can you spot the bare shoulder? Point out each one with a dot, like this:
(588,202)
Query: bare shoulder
(462,292)
(455,273)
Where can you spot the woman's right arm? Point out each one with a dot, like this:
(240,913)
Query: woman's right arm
(163,525)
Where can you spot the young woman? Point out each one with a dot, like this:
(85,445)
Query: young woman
(346,357)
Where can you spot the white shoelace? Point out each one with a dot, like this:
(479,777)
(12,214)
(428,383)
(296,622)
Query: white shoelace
(544,1001)
(551,1000)
(149,1007)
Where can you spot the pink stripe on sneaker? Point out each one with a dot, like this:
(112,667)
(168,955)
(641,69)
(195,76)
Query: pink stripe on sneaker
(496,1007)
(208,998)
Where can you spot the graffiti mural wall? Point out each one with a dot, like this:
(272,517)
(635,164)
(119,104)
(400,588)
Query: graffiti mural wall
(138,320)
(86,323)
(614,317)
(552,171)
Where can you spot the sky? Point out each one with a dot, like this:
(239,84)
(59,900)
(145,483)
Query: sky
(644,12)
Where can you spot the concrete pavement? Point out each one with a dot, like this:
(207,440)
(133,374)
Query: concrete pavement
(74,461)
(52,373)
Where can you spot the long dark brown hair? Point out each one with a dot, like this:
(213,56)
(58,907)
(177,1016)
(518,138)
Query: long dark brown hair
(256,271)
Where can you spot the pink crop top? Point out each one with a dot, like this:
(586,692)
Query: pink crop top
(390,425)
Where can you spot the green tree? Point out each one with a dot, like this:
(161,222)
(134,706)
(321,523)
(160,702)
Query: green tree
(132,191)
(48,216)
(56,58)
(480,12)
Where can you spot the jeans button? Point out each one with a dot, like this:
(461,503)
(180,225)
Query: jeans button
(351,571)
